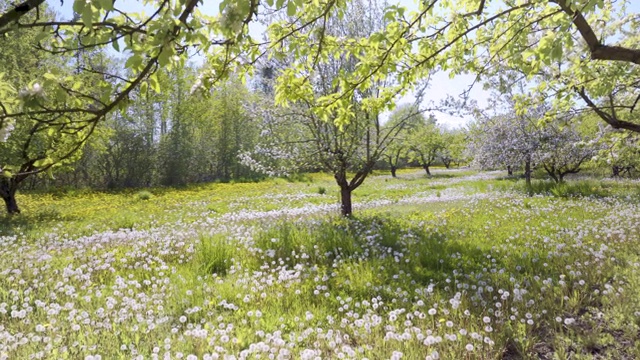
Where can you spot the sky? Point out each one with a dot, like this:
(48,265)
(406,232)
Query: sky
(441,85)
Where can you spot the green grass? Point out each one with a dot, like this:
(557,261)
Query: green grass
(227,268)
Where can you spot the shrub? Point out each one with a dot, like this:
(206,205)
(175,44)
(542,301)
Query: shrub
(144,195)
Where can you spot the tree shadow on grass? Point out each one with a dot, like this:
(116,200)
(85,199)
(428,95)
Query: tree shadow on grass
(23,223)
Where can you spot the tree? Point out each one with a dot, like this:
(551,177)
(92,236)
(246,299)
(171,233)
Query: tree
(38,143)
(346,147)
(55,101)
(563,151)
(408,117)
(454,145)
(425,143)
(619,151)
(530,36)
(506,141)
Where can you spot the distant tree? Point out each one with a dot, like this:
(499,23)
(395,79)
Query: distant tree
(346,147)
(425,143)
(409,117)
(454,145)
(506,141)
(563,151)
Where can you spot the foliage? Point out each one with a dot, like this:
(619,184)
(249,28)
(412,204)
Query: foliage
(144,195)
(405,50)
(326,138)
(454,146)
(37,143)
(425,142)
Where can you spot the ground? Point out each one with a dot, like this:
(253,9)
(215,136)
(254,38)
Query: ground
(463,265)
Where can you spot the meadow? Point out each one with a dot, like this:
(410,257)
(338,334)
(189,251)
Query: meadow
(463,265)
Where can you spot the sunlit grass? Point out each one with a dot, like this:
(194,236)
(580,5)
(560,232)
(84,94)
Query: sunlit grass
(452,267)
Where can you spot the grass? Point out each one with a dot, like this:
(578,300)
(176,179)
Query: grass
(457,266)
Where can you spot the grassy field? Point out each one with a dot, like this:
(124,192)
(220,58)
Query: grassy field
(463,265)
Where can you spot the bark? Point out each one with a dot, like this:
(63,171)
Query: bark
(609,118)
(527,175)
(345,192)
(598,50)
(18,11)
(393,171)
(426,168)
(552,173)
(8,190)
(509,170)
(616,171)
(345,201)
(11,204)
(447,164)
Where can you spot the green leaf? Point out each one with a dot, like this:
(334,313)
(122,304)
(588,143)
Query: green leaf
(164,57)
(43,162)
(154,83)
(291,8)
(42,35)
(114,43)
(78,6)
(133,62)
(556,52)
(106,4)
(87,16)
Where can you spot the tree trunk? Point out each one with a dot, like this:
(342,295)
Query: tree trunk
(8,193)
(561,178)
(426,168)
(11,204)
(393,171)
(345,201)
(527,176)
(616,171)
(345,191)
(447,164)
(509,170)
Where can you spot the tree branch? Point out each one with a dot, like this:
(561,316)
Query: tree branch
(598,50)
(18,11)
(608,118)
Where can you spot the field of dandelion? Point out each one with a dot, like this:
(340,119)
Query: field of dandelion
(463,265)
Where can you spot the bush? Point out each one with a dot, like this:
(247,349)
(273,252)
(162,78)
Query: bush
(322,190)
(144,195)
